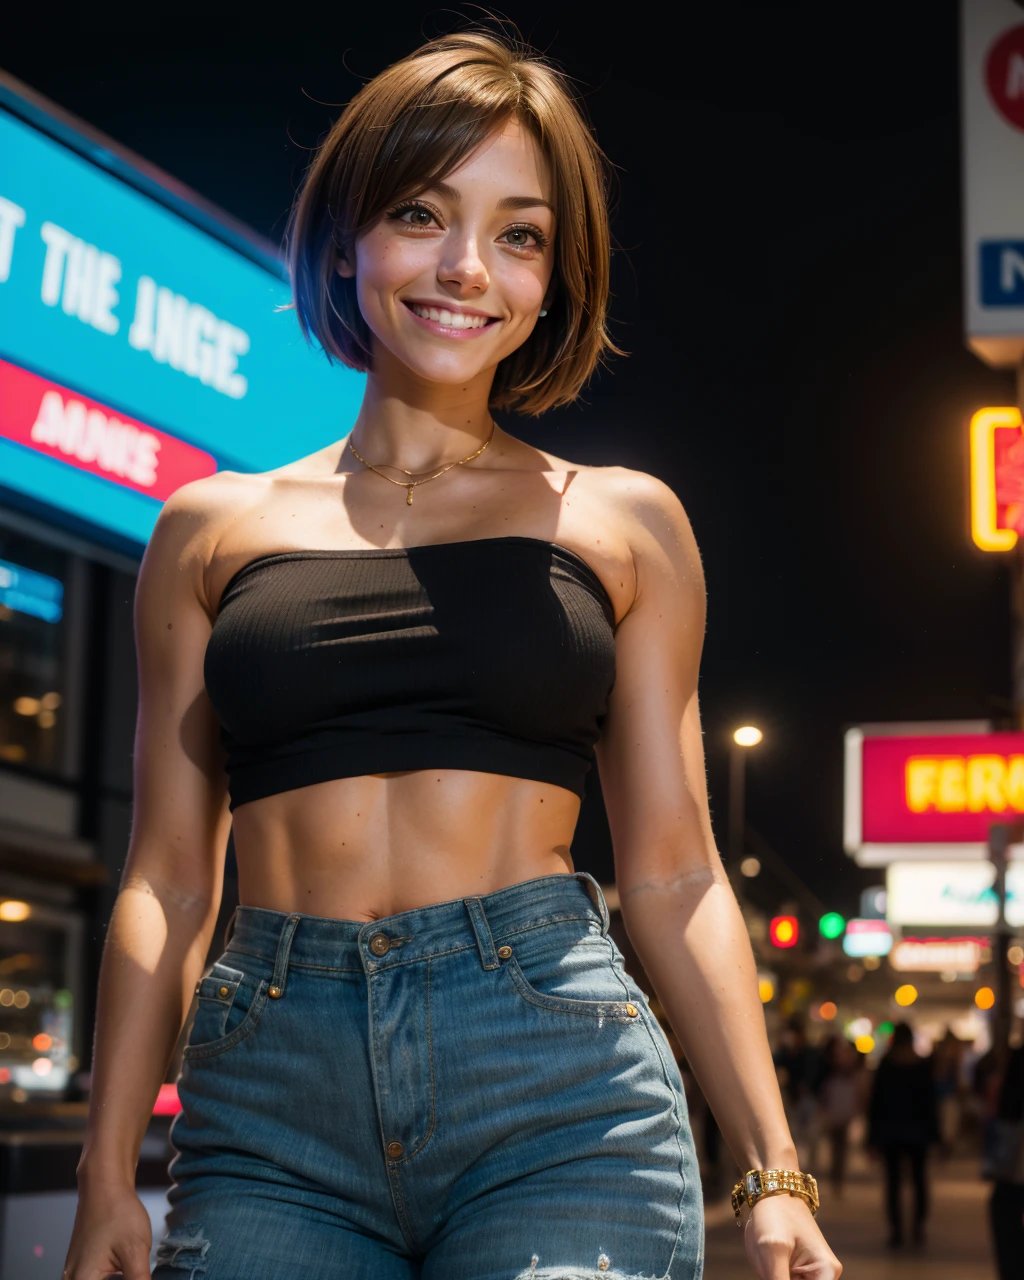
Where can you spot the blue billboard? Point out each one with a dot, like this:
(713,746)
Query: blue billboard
(133,338)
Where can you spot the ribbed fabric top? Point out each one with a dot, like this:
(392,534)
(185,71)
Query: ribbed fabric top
(495,655)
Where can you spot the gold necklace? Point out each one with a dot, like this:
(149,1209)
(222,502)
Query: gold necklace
(410,485)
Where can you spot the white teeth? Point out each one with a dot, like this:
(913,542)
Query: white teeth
(450,319)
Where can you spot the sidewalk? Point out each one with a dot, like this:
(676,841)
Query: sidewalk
(957,1247)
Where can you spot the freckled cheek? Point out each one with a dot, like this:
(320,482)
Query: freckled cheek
(385,266)
(524,289)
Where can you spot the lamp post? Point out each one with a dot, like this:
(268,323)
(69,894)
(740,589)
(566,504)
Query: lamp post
(743,739)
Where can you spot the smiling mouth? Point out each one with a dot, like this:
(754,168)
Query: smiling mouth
(451,319)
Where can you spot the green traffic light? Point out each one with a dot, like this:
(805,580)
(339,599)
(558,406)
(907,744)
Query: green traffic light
(831,925)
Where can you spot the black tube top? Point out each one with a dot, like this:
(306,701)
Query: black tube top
(494,655)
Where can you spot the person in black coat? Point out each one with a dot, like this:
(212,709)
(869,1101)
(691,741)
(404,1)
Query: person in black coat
(1007,1204)
(903,1122)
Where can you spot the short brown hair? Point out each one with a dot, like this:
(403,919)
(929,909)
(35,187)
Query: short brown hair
(403,132)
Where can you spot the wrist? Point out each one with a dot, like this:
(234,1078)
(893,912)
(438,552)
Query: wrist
(781,1155)
(764,1184)
(110,1170)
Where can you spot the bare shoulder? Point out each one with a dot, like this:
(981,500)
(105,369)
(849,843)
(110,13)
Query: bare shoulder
(191,523)
(647,513)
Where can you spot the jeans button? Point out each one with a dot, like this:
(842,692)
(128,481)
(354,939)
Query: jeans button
(394,1150)
(504,953)
(380,944)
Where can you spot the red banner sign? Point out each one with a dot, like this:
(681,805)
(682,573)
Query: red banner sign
(940,789)
(46,417)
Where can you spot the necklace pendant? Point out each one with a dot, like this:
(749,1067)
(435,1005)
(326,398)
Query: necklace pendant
(408,496)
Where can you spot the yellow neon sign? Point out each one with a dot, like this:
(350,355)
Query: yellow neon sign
(965,784)
(985,528)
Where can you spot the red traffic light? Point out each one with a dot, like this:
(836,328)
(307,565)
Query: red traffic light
(784,931)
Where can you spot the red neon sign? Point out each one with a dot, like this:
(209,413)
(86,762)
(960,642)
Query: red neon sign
(50,419)
(946,788)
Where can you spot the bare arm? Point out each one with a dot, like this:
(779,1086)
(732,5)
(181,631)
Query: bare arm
(164,916)
(677,904)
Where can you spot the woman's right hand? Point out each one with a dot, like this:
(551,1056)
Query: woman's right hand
(112,1235)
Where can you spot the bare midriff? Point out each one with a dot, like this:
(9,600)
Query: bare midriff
(368,847)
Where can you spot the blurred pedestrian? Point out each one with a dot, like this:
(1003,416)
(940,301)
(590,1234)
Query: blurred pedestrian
(1006,1167)
(947,1057)
(902,1123)
(841,1097)
(798,1064)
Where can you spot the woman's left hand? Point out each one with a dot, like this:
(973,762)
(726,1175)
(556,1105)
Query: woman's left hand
(783,1240)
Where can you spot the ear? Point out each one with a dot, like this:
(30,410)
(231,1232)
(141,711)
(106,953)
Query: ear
(344,267)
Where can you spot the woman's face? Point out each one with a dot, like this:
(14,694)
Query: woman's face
(452,280)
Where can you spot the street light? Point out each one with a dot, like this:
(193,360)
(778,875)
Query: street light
(745,737)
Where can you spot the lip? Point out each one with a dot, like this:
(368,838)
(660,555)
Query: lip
(448,331)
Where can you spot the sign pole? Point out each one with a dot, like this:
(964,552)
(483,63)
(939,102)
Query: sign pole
(1000,836)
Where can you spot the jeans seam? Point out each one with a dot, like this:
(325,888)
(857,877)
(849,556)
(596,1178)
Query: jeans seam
(430,1059)
(398,1200)
(645,1013)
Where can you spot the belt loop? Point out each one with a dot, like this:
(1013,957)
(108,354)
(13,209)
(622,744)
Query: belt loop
(229,928)
(484,941)
(596,897)
(284,950)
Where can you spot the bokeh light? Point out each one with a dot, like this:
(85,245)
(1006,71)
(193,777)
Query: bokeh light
(766,990)
(784,931)
(747,736)
(828,1010)
(864,1044)
(831,925)
(984,997)
(905,995)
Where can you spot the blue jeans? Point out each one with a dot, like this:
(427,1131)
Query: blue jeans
(470,1091)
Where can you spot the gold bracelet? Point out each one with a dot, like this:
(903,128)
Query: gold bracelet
(759,1183)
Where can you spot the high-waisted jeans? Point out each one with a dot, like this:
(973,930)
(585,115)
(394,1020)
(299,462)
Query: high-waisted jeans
(470,1091)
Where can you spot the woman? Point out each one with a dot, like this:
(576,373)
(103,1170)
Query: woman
(420,1053)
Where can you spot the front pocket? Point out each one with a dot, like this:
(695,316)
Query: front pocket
(610,1010)
(230,1006)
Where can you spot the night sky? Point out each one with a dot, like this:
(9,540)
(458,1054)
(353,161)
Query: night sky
(788,286)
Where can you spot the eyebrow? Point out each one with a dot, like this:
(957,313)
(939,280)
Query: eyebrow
(449,192)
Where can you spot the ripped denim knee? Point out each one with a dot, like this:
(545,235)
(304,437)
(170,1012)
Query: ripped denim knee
(184,1250)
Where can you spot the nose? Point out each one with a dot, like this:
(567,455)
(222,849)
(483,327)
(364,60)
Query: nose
(462,268)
